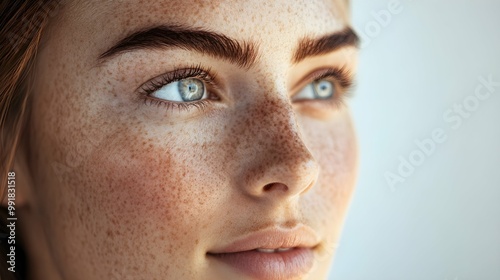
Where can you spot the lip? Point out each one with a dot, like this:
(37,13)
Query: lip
(243,255)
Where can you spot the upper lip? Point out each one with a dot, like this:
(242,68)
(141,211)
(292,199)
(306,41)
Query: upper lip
(272,238)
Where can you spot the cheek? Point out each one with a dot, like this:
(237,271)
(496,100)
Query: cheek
(141,198)
(153,183)
(337,155)
(334,146)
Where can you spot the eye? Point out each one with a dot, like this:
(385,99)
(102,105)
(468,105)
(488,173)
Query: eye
(318,89)
(184,90)
(326,92)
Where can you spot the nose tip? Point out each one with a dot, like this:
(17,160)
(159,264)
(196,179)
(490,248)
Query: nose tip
(284,179)
(300,181)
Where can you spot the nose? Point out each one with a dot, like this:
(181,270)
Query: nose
(277,163)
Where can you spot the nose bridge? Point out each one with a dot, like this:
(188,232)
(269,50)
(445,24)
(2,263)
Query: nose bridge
(277,158)
(283,131)
(275,128)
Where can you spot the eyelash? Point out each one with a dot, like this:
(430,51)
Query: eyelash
(340,77)
(195,71)
(342,80)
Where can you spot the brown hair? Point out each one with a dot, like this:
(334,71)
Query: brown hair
(21,27)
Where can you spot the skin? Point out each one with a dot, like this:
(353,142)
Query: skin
(119,189)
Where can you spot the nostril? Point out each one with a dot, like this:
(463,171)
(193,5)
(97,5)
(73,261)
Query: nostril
(275,187)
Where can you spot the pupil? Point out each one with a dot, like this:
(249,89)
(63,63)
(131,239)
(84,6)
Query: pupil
(324,89)
(191,89)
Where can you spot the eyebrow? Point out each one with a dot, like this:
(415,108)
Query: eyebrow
(218,45)
(206,42)
(328,43)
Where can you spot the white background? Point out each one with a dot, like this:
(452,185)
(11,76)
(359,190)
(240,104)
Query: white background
(443,221)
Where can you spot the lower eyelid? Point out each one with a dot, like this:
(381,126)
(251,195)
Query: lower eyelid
(171,105)
(321,109)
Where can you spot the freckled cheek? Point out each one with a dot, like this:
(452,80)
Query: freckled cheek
(150,186)
(337,159)
(334,147)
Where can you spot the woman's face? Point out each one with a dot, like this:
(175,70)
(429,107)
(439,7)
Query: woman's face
(179,152)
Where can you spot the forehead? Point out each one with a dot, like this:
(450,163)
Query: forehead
(240,19)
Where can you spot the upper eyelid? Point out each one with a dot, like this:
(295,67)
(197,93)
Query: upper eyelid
(175,75)
(344,78)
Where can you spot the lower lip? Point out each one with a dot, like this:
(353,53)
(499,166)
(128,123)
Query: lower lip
(279,265)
